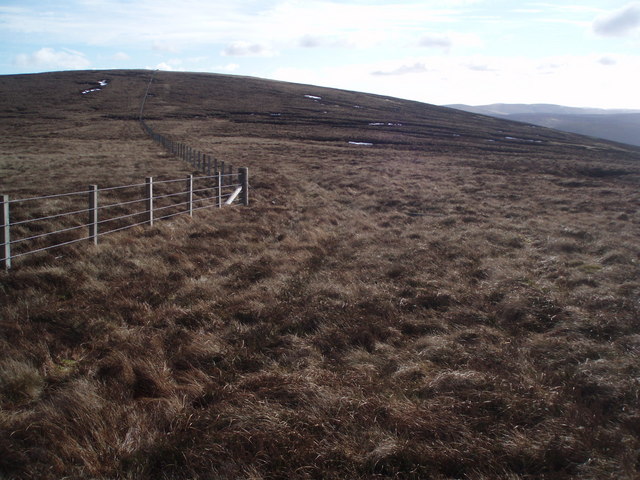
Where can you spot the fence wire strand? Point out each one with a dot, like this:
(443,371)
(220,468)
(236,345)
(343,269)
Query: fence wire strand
(18,200)
(50,247)
(100,234)
(31,220)
(109,189)
(20,240)
(123,217)
(122,203)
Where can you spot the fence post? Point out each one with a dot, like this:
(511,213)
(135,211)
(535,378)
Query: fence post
(208,165)
(219,177)
(215,165)
(243,176)
(190,194)
(149,197)
(221,171)
(93,213)
(5,236)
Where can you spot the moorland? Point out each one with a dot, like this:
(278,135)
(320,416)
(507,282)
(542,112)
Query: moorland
(413,292)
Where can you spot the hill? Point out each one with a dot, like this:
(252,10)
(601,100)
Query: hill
(414,292)
(616,125)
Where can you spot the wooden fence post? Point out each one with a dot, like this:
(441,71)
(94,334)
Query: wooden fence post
(149,198)
(243,176)
(5,235)
(93,213)
(190,194)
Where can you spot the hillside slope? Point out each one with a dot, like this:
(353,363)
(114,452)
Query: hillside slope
(414,292)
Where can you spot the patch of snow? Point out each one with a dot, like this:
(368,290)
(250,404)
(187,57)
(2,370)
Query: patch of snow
(357,106)
(313,97)
(275,114)
(102,83)
(523,139)
(455,135)
(367,144)
(377,124)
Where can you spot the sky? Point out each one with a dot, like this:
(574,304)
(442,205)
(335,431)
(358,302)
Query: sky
(582,53)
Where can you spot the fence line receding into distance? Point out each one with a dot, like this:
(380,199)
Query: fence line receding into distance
(37,224)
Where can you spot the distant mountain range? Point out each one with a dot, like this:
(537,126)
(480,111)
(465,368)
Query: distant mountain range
(617,125)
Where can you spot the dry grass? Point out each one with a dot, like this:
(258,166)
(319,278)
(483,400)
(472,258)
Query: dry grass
(432,306)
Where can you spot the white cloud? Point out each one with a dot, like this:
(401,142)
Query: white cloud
(229,67)
(48,58)
(607,61)
(619,23)
(173,65)
(121,56)
(417,67)
(318,41)
(165,24)
(450,40)
(247,49)
(165,47)
(313,41)
(581,81)
(435,40)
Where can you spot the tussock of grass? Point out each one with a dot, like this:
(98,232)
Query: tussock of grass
(426,308)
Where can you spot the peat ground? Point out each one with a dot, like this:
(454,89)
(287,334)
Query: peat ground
(449,296)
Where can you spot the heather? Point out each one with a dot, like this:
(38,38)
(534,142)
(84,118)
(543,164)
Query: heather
(458,299)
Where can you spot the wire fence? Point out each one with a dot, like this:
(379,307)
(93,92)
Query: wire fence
(38,224)
(202,162)
(43,223)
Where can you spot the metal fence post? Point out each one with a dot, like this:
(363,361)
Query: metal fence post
(219,177)
(149,197)
(208,166)
(93,213)
(190,193)
(5,235)
(243,176)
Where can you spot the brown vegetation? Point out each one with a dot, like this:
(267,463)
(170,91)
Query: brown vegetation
(458,300)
